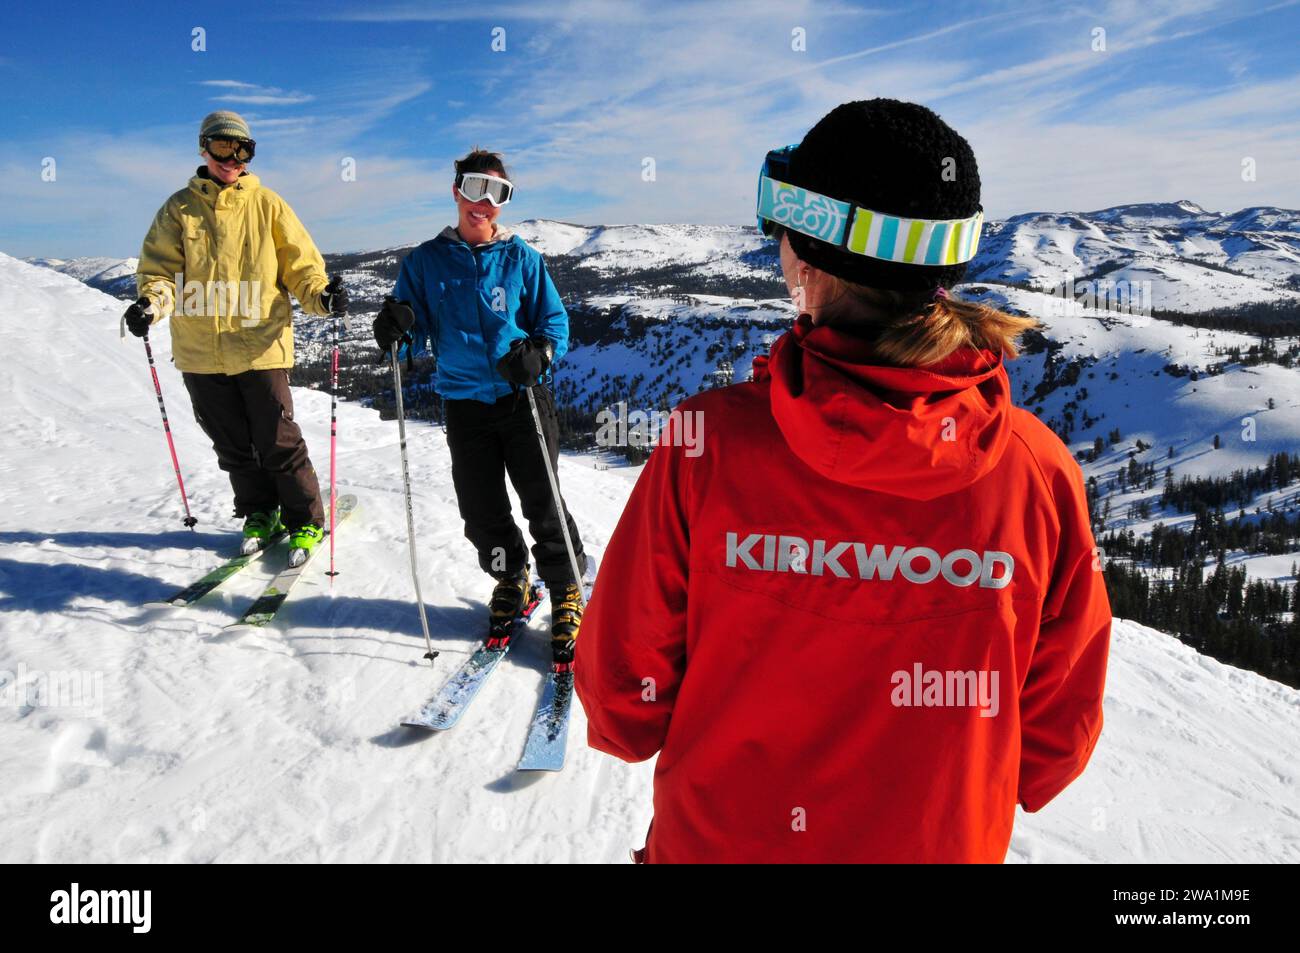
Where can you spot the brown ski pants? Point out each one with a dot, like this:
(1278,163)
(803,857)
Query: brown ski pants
(249,418)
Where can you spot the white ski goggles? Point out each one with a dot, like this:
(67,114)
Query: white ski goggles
(476,186)
(863,231)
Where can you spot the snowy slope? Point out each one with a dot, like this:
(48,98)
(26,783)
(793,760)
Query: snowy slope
(282,746)
(116,276)
(1196,763)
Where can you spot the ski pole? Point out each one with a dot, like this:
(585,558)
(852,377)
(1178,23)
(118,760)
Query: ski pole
(410,513)
(190,519)
(334,440)
(555,494)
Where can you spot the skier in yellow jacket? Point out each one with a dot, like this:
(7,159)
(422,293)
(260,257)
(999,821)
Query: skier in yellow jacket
(220,260)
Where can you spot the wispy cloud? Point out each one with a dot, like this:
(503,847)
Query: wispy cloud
(253,94)
(706,104)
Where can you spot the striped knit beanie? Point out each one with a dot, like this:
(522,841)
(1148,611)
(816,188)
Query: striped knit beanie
(223,123)
(893,157)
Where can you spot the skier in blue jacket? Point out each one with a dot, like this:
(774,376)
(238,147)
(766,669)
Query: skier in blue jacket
(479,297)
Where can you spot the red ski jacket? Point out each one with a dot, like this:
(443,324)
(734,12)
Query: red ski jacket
(856,609)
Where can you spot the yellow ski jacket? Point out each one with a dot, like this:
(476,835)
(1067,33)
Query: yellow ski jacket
(221,263)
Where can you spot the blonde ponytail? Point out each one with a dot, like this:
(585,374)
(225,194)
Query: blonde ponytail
(910,329)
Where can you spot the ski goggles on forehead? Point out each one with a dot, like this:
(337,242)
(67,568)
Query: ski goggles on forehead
(853,228)
(476,186)
(223,149)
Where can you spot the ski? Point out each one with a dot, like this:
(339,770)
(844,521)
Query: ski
(201,587)
(262,612)
(548,732)
(445,709)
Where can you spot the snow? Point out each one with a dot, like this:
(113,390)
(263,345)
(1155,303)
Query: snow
(284,746)
(1196,764)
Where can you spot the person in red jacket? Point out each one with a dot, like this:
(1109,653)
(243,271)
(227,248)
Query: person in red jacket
(870,615)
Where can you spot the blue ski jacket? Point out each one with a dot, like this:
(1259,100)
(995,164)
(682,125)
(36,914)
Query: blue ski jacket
(471,303)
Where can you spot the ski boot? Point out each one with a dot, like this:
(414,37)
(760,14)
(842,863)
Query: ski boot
(566,618)
(510,598)
(302,541)
(260,530)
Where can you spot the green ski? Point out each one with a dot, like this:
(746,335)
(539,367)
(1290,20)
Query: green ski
(262,612)
(201,587)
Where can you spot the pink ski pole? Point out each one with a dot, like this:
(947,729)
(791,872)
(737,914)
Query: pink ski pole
(190,519)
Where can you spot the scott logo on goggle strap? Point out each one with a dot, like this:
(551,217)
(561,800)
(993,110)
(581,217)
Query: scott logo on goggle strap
(807,212)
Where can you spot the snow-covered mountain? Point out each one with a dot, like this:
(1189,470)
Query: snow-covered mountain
(1196,260)
(281,746)
(116,276)
(710,249)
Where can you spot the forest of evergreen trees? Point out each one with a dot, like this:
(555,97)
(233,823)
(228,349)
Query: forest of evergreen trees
(1224,616)
(1159,581)
(1264,318)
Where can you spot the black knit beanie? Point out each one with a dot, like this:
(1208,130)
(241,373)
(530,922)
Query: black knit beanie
(887,156)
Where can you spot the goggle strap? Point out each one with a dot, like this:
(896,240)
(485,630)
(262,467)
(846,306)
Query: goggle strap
(863,231)
(914,241)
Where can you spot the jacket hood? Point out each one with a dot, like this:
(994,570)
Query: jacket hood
(915,432)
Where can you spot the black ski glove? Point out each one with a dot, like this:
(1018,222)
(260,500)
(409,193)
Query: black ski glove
(392,323)
(547,347)
(138,319)
(526,361)
(334,299)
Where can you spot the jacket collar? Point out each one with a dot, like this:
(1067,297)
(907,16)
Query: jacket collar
(214,192)
(500,233)
(915,432)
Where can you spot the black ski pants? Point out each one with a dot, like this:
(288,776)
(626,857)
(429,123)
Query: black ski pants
(489,442)
(249,419)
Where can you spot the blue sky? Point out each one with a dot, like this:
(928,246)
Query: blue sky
(584,91)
